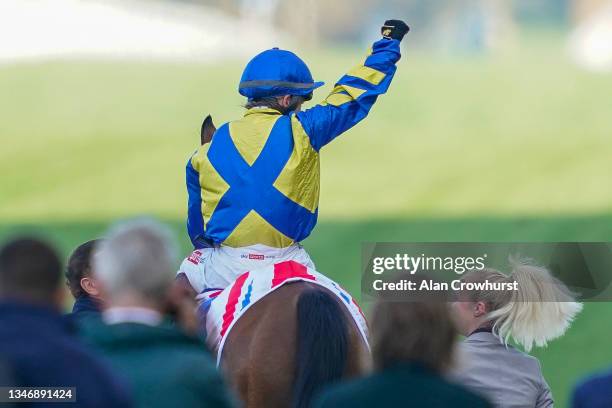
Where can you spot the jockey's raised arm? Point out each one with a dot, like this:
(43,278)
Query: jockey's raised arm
(353,96)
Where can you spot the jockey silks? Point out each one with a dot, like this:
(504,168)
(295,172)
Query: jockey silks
(257,181)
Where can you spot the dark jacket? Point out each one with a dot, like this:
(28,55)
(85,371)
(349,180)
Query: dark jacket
(594,392)
(39,347)
(84,307)
(86,304)
(6,376)
(165,367)
(400,386)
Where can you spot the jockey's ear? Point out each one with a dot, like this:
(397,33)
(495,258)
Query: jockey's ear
(208,129)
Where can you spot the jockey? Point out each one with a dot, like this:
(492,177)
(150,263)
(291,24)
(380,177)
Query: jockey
(254,189)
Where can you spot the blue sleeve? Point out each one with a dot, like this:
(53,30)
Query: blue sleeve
(195,220)
(353,96)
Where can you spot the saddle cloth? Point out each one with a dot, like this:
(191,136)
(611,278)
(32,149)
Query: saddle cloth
(232,302)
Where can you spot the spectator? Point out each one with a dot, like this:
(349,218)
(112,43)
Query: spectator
(35,341)
(540,310)
(594,392)
(82,283)
(412,346)
(166,367)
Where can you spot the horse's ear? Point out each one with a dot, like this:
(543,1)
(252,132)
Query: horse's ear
(208,129)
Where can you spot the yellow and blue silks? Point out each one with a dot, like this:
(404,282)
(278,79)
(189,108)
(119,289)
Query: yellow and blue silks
(257,181)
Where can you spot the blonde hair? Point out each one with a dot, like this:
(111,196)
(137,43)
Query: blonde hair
(541,309)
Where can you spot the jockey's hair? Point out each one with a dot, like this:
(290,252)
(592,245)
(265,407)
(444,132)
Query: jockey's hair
(272,102)
(541,309)
(136,258)
(416,330)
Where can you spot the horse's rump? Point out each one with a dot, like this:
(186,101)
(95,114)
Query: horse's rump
(292,343)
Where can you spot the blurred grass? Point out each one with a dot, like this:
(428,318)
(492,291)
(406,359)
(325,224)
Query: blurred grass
(520,133)
(512,147)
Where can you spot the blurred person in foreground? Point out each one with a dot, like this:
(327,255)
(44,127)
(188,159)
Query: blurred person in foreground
(594,391)
(36,342)
(83,286)
(540,310)
(413,343)
(165,366)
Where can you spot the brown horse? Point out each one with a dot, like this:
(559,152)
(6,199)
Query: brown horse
(291,344)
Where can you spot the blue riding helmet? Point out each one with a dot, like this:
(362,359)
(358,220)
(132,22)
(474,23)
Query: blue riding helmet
(275,73)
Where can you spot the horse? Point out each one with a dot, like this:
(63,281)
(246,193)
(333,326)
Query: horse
(290,344)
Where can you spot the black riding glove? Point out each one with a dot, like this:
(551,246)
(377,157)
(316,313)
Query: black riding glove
(395,29)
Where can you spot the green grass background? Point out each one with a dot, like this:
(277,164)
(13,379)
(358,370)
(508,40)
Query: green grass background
(515,146)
